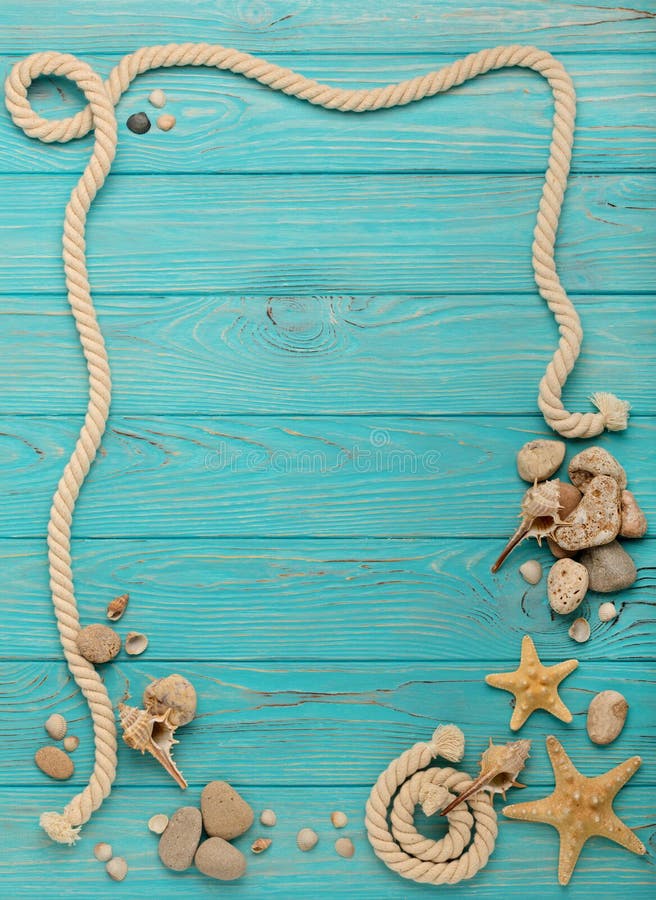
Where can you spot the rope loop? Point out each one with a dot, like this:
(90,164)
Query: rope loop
(99,116)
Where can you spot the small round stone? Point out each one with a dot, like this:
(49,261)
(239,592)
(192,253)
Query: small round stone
(344,847)
(531,571)
(56,726)
(610,568)
(225,812)
(117,868)
(339,819)
(217,858)
(139,123)
(157,98)
(157,823)
(103,852)
(71,743)
(306,839)
(606,716)
(165,122)
(98,643)
(54,762)
(268,818)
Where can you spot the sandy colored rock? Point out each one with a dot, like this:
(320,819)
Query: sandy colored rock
(634,521)
(98,643)
(610,568)
(531,571)
(538,460)
(225,813)
(180,840)
(596,520)
(54,762)
(606,716)
(567,584)
(218,859)
(590,463)
(56,726)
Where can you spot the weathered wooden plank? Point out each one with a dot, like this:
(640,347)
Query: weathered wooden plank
(327,26)
(226,123)
(313,600)
(320,723)
(328,355)
(318,476)
(523,851)
(285,234)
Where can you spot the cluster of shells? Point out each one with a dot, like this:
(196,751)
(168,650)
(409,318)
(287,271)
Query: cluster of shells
(580,520)
(168,704)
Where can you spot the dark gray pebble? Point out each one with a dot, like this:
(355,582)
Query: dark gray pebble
(139,123)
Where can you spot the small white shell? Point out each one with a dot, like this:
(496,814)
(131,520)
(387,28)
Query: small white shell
(157,98)
(55,725)
(306,839)
(103,852)
(607,612)
(344,847)
(71,742)
(531,571)
(268,818)
(135,643)
(339,819)
(117,868)
(157,823)
(579,630)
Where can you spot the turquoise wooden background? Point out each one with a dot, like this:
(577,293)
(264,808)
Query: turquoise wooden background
(326,345)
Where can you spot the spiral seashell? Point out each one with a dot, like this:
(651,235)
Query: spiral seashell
(500,765)
(152,734)
(544,507)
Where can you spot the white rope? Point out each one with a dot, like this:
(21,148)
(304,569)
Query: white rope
(99,116)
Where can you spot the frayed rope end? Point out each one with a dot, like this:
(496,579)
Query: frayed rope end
(615,412)
(58,828)
(448,741)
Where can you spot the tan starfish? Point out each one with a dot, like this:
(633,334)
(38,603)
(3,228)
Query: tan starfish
(580,808)
(535,686)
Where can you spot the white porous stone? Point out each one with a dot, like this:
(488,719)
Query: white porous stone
(596,520)
(592,462)
(531,571)
(567,584)
(538,460)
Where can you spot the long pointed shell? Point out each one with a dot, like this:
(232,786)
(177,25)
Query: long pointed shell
(150,734)
(500,766)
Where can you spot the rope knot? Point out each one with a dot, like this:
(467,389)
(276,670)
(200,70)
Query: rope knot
(58,828)
(448,741)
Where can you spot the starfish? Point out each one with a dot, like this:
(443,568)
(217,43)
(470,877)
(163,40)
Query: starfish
(535,686)
(580,808)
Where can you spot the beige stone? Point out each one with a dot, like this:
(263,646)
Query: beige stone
(596,520)
(54,762)
(98,643)
(225,812)
(590,463)
(634,521)
(180,839)
(606,716)
(567,584)
(218,859)
(538,460)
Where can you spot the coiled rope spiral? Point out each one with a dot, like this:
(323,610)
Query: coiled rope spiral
(398,844)
(99,116)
